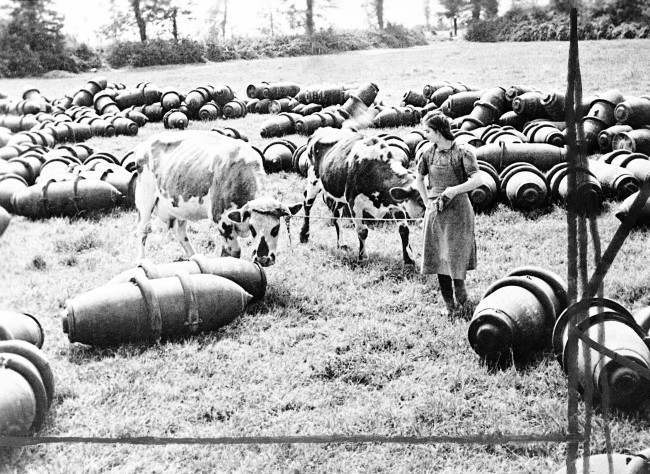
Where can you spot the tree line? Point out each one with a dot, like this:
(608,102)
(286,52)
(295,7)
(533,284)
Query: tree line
(32,39)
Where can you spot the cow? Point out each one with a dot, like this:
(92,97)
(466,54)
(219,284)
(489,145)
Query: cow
(359,175)
(194,175)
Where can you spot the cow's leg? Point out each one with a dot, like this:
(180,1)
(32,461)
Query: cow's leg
(310,196)
(145,202)
(404,231)
(362,230)
(335,223)
(335,209)
(180,231)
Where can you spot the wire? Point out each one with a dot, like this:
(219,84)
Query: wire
(496,438)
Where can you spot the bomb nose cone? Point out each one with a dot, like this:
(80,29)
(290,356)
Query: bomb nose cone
(530,196)
(624,381)
(490,338)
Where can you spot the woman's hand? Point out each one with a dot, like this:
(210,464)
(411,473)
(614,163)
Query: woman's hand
(447,195)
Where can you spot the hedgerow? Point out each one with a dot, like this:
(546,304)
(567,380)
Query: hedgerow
(156,52)
(539,25)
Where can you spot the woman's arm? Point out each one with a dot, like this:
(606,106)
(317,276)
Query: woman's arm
(469,163)
(473,182)
(419,185)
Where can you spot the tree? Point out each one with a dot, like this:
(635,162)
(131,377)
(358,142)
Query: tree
(476,9)
(219,17)
(32,41)
(268,17)
(491,8)
(309,18)
(624,10)
(158,11)
(375,11)
(379,11)
(119,19)
(427,12)
(306,17)
(561,6)
(452,9)
(139,19)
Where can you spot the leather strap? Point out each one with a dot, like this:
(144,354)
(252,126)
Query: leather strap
(44,199)
(200,262)
(149,269)
(153,305)
(191,305)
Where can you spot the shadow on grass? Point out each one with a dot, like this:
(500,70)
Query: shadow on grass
(391,268)
(534,214)
(81,353)
(526,363)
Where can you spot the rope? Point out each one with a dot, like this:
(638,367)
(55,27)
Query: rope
(371,219)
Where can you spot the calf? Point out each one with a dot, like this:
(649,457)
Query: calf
(194,175)
(359,175)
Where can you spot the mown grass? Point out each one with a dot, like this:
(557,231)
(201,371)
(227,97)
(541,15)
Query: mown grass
(336,346)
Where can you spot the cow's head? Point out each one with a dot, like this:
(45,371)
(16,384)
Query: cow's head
(410,200)
(260,219)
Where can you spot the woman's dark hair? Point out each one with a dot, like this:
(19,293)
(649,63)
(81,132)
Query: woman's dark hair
(439,122)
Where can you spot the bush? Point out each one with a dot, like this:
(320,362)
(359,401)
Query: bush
(154,52)
(541,25)
(322,42)
(483,31)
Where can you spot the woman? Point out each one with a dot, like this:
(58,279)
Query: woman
(449,245)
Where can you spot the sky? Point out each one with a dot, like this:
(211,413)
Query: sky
(83,18)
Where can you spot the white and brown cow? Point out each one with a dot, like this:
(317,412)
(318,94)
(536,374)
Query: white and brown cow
(194,175)
(358,174)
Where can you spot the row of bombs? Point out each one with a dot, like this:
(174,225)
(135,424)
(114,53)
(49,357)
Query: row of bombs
(517,105)
(617,175)
(65,181)
(150,302)
(332,115)
(286,123)
(554,133)
(148,102)
(32,102)
(97,93)
(528,101)
(174,108)
(179,118)
(26,379)
(263,100)
(527,312)
(77,124)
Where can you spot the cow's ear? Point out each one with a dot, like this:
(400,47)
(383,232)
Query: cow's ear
(401,194)
(294,208)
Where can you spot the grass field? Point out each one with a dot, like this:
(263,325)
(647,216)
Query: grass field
(336,346)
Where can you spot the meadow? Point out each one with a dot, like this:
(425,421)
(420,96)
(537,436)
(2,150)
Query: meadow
(336,346)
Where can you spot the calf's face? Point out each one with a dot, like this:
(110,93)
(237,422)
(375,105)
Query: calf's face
(259,220)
